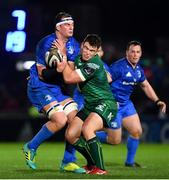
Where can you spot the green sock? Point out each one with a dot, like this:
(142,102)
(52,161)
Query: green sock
(82,147)
(96,152)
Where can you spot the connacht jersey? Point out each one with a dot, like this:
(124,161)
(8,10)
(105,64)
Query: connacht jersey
(125,78)
(95,86)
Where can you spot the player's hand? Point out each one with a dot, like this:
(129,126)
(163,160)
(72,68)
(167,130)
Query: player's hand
(162,106)
(60,45)
(61,65)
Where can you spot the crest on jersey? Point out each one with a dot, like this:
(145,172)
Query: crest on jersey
(139,73)
(70,50)
(48,97)
(101,107)
(114,124)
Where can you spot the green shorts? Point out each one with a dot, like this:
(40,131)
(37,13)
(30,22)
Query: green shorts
(105,109)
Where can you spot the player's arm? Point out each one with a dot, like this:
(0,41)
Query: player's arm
(71,65)
(48,75)
(109,79)
(72,76)
(150,93)
(107,69)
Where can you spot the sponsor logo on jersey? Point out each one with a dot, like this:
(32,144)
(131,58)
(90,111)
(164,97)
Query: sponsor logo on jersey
(93,66)
(110,116)
(128,74)
(90,68)
(129,83)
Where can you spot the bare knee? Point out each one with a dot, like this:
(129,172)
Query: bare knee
(136,133)
(113,140)
(88,132)
(57,124)
(70,136)
(85,132)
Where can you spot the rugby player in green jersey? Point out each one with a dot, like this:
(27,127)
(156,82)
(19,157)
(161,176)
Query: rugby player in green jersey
(100,106)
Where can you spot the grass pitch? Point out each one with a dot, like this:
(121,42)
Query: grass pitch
(155,158)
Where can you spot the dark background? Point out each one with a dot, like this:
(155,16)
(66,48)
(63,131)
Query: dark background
(117,22)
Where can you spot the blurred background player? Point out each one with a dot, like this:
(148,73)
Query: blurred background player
(45,93)
(126,73)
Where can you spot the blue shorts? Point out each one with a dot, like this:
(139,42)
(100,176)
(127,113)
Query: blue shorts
(123,111)
(40,97)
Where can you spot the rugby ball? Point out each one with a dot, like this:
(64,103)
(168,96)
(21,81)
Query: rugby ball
(52,56)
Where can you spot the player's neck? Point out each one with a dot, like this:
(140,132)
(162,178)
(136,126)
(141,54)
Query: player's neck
(61,37)
(132,64)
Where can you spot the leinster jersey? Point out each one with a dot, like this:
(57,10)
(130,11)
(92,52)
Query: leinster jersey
(95,86)
(125,78)
(73,49)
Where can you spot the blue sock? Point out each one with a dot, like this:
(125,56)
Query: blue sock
(69,154)
(40,137)
(102,136)
(132,145)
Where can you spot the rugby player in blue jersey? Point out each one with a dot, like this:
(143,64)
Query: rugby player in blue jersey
(45,93)
(126,73)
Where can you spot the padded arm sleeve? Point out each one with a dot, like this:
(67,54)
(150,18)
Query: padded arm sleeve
(51,76)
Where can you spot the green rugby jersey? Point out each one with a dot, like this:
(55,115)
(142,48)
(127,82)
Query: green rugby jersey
(95,86)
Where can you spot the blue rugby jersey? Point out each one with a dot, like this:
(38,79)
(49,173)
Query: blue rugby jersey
(125,78)
(73,49)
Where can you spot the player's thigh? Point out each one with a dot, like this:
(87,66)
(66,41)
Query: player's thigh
(133,125)
(92,124)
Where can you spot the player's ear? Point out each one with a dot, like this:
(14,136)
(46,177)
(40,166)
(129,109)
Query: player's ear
(81,46)
(126,52)
(140,53)
(57,28)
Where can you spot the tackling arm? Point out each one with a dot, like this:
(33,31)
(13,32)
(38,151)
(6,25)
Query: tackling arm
(71,76)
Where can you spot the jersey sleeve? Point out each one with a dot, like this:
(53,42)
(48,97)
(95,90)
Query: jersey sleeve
(41,48)
(87,71)
(115,71)
(39,54)
(142,77)
(107,69)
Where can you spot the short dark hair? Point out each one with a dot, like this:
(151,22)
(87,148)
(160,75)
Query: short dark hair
(93,39)
(60,16)
(134,42)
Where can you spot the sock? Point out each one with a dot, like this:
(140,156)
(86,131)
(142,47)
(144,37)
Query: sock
(82,147)
(102,136)
(132,145)
(96,152)
(69,154)
(40,137)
